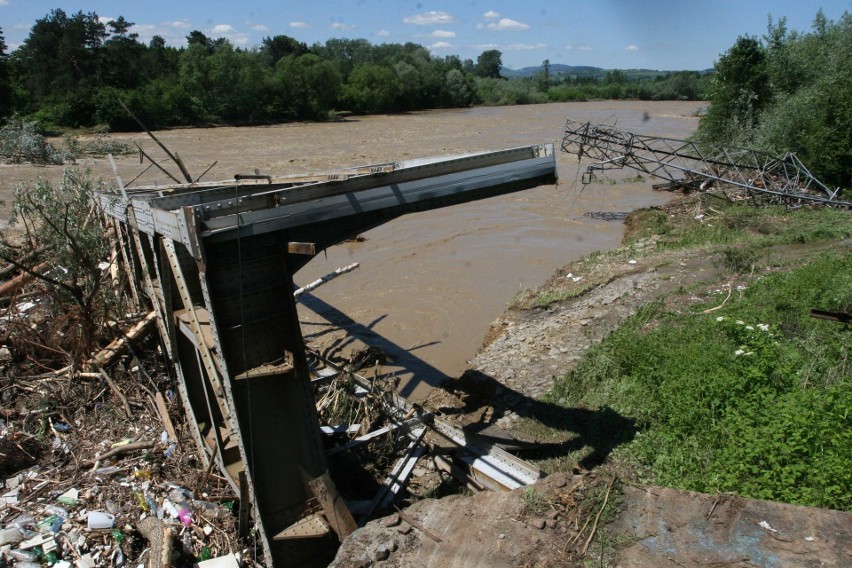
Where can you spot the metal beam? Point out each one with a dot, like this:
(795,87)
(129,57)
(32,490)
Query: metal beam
(229,251)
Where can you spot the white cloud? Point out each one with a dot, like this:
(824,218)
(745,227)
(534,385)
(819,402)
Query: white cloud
(4,2)
(480,26)
(631,48)
(585,48)
(340,26)
(301,25)
(228,32)
(487,46)
(383,33)
(260,28)
(507,24)
(525,46)
(173,32)
(443,33)
(433,18)
(491,15)
(441,45)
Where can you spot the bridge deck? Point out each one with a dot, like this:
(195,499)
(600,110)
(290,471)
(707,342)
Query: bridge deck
(216,260)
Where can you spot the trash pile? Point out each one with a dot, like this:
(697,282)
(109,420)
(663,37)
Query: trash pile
(101,471)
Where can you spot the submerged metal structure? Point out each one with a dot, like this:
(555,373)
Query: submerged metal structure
(696,165)
(215,261)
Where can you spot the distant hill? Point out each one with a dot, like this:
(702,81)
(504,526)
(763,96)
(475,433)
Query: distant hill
(558,69)
(555,69)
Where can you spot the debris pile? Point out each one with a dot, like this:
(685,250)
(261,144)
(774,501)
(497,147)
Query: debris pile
(98,469)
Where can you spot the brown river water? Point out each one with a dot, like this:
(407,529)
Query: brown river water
(429,284)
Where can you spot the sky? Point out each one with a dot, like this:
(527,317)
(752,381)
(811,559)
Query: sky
(613,34)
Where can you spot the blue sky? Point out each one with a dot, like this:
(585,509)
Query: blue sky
(654,34)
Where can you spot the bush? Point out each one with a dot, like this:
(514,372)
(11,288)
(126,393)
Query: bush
(63,246)
(21,141)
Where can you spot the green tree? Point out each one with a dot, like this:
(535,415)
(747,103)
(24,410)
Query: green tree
(740,90)
(460,89)
(371,88)
(308,87)
(488,64)
(6,92)
(272,49)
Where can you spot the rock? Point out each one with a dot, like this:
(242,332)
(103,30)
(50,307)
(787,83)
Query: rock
(381,553)
(552,514)
(538,523)
(392,521)
(404,528)
(392,546)
(362,562)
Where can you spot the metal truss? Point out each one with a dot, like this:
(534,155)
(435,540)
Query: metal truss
(697,166)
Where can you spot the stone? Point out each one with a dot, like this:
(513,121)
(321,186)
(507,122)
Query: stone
(552,514)
(392,546)
(538,523)
(381,553)
(392,520)
(404,528)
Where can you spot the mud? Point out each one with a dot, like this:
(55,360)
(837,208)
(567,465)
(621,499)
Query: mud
(429,284)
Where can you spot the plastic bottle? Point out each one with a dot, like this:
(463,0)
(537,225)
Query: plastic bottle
(10,535)
(185,516)
(140,500)
(209,509)
(22,556)
(56,510)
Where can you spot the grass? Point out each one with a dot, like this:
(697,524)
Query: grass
(742,235)
(753,398)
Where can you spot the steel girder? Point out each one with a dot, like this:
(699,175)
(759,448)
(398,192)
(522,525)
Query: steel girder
(216,262)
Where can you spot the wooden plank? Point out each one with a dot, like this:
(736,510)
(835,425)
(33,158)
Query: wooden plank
(309,249)
(334,507)
(160,403)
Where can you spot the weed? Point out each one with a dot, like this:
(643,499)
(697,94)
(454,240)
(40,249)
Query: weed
(534,502)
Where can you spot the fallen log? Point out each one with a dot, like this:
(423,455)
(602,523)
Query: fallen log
(118,450)
(327,278)
(15,284)
(106,356)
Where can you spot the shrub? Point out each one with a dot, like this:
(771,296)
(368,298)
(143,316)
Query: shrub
(21,141)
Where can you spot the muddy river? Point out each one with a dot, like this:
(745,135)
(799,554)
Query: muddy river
(429,284)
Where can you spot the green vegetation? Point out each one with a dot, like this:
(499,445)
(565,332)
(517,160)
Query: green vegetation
(751,397)
(61,243)
(72,70)
(21,141)
(789,91)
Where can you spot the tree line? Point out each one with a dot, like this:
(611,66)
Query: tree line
(788,91)
(72,70)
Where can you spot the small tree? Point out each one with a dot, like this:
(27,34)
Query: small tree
(489,63)
(63,246)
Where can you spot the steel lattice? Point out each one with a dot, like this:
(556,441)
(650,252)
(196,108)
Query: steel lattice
(698,166)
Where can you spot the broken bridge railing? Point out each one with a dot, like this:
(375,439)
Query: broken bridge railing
(698,166)
(215,261)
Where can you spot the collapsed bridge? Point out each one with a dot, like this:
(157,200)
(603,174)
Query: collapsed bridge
(215,261)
